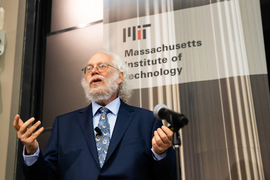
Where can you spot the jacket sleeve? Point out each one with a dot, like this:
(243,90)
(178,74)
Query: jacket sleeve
(165,168)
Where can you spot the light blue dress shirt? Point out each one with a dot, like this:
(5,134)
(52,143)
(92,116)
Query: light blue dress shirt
(113,107)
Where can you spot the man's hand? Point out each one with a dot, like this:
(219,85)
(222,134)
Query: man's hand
(162,139)
(26,133)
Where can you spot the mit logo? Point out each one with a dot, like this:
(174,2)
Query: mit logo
(136,34)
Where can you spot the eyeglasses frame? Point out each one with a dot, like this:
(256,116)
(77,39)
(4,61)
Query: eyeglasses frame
(84,69)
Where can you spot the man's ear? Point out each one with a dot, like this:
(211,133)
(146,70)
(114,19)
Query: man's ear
(121,77)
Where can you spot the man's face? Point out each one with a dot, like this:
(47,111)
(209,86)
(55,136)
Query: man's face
(102,86)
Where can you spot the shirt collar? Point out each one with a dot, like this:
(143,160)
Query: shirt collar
(112,106)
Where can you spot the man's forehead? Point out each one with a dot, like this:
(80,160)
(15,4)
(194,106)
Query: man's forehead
(100,57)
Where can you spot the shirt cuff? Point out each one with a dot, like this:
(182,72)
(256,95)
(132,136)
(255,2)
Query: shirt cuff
(158,157)
(29,160)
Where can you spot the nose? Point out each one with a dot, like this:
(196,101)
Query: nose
(95,70)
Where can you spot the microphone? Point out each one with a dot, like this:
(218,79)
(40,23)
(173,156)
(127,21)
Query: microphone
(99,133)
(177,120)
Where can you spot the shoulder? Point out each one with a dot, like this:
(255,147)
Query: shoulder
(75,113)
(137,112)
(134,108)
(140,116)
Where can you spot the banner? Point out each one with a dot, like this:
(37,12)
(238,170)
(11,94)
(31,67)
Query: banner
(206,60)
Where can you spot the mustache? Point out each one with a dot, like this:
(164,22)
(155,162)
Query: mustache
(95,77)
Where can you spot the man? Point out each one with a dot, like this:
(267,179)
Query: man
(116,142)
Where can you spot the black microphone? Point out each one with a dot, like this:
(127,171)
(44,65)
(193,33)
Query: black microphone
(177,120)
(99,133)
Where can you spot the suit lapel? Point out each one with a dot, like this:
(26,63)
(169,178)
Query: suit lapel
(86,124)
(125,115)
(123,120)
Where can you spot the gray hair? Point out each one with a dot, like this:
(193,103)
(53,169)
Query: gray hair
(124,91)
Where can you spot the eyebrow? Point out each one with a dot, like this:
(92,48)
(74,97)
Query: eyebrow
(89,64)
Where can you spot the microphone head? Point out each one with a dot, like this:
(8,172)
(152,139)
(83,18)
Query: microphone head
(157,108)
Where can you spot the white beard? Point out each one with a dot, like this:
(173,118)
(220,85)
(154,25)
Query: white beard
(100,93)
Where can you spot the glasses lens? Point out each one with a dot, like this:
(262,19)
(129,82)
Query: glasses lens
(88,69)
(102,67)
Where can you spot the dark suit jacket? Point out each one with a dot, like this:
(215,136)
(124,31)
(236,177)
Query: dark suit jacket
(71,150)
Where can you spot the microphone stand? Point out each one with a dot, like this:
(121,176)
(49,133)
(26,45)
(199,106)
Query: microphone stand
(176,144)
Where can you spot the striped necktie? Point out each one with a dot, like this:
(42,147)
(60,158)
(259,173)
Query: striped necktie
(103,141)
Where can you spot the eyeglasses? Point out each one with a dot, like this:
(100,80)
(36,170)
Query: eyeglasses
(100,67)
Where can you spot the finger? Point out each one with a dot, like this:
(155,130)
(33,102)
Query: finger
(16,123)
(163,136)
(31,129)
(36,134)
(154,142)
(168,132)
(158,138)
(29,140)
(25,125)
(156,147)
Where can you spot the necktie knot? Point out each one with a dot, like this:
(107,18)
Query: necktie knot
(103,110)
